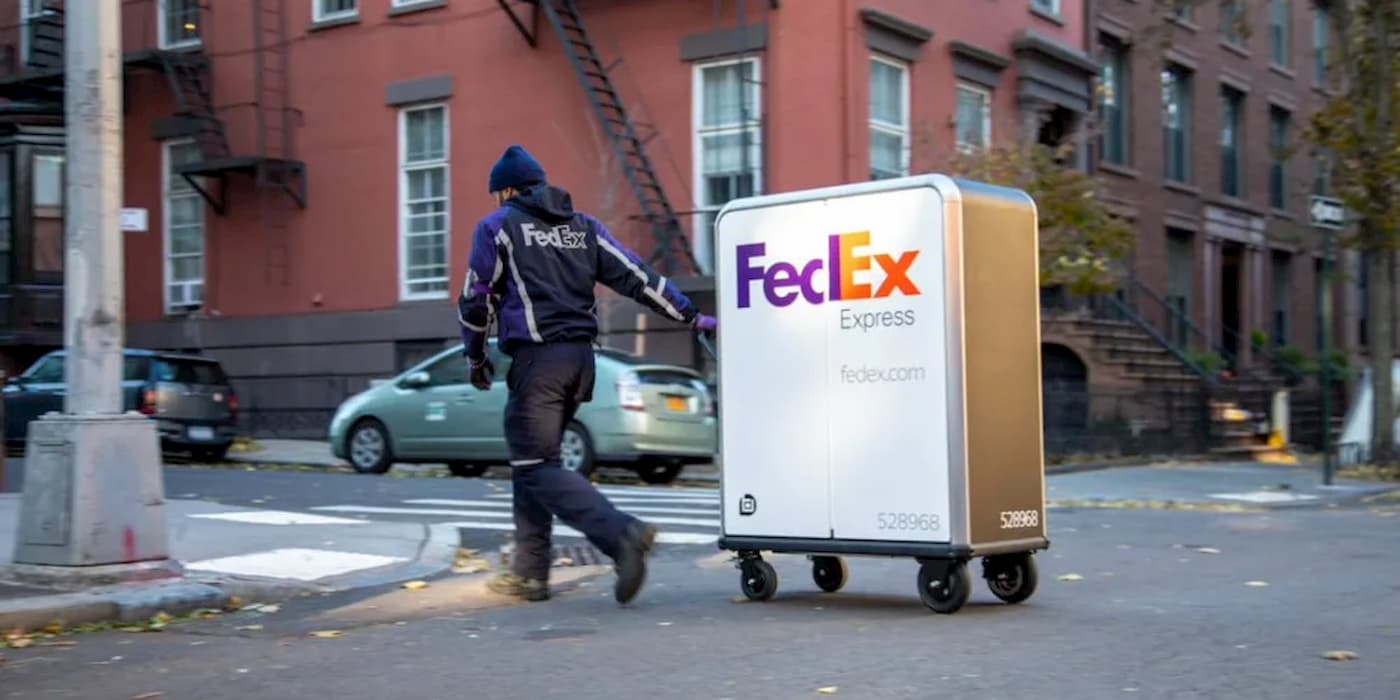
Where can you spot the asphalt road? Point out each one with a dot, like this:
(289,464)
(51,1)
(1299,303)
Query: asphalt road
(1147,615)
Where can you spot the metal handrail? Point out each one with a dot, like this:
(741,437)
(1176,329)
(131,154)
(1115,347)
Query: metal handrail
(1133,317)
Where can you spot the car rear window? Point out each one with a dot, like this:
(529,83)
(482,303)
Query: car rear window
(185,371)
(666,377)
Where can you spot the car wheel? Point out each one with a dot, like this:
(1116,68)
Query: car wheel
(576,450)
(368,447)
(466,470)
(210,454)
(659,472)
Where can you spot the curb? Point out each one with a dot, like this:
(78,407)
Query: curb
(139,601)
(125,603)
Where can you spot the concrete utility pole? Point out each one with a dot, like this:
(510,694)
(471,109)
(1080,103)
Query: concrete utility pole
(92,491)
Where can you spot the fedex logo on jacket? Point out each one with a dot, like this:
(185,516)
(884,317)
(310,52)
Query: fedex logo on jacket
(828,278)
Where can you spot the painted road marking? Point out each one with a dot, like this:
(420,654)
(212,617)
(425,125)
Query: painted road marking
(276,517)
(293,563)
(1265,496)
(663,536)
(389,510)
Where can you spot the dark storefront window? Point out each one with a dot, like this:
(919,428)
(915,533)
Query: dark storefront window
(6,228)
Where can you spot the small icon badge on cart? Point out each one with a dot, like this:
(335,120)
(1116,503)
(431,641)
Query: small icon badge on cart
(748,505)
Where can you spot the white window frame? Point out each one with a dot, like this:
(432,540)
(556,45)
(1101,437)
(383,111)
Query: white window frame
(167,267)
(27,14)
(406,3)
(901,130)
(161,23)
(703,245)
(319,13)
(405,168)
(986,95)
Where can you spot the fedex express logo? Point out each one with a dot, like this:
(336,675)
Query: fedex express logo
(784,282)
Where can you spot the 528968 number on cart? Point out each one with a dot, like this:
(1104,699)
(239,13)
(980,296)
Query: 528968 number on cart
(907,521)
(1013,519)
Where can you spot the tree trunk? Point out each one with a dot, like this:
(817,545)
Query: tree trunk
(1380,347)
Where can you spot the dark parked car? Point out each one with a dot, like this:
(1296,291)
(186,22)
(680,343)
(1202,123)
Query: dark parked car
(189,396)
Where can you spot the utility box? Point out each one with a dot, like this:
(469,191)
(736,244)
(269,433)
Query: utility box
(879,368)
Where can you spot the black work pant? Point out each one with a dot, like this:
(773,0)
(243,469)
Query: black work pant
(547,384)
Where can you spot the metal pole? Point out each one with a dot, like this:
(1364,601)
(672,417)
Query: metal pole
(1324,313)
(93,493)
(93,329)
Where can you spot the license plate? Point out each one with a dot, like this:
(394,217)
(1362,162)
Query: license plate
(678,404)
(201,432)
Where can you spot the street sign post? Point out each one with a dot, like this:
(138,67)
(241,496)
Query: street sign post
(1327,214)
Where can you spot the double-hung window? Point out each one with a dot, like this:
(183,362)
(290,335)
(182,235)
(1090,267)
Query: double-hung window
(424,196)
(727,146)
(327,10)
(974,119)
(889,118)
(178,23)
(184,231)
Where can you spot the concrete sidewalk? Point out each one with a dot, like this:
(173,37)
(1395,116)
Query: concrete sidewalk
(226,551)
(1242,484)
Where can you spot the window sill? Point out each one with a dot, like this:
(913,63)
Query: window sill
(1283,214)
(184,47)
(1236,203)
(1052,17)
(419,6)
(324,24)
(1186,24)
(1236,49)
(1118,169)
(419,299)
(1284,71)
(1182,187)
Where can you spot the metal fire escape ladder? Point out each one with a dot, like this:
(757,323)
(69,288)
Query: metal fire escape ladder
(564,17)
(191,83)
(189,72)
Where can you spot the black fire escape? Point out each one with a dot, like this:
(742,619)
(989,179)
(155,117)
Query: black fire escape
(38,78)
(628,147)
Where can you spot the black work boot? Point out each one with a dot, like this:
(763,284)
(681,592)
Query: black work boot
(507,583)
(631,562)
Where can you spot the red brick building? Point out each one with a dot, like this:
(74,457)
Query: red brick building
(312,169)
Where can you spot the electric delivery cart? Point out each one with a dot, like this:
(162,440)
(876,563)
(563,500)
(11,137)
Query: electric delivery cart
(879,368)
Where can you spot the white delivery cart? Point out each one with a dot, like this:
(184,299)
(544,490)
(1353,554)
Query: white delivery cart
(879,370)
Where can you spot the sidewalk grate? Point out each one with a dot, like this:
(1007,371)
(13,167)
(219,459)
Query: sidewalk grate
(560,555)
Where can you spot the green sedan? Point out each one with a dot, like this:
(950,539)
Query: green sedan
(652,418)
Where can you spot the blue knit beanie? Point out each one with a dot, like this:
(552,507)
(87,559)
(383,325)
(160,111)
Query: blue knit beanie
(516,168)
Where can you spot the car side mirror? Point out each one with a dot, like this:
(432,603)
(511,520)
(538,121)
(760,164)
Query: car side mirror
(416,380)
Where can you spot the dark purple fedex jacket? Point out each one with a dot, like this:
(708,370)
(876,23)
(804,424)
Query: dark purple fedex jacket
(533,267)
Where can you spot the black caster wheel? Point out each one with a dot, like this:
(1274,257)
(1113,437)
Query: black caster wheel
(1011,577)
(758,579)
(944,586)
(829,573)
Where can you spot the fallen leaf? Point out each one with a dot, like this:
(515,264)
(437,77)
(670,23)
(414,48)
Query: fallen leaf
(249,628)
(1071,577)
(234,603)
(415,585)
(829,690)
(266,608)
(1207,550)
(1256,584)
(1341,655)
(327,634)
(21,643)
(53,628)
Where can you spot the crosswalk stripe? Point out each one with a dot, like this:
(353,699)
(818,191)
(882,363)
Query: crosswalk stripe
(679,500)
(387,510)
(664,536)
(630,509)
